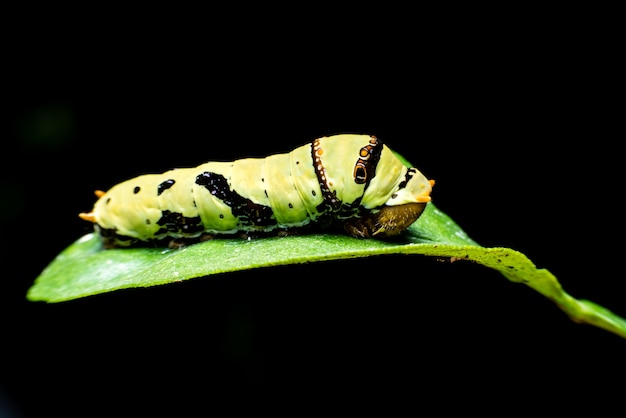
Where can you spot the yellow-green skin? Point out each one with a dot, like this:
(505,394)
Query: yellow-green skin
(283,191)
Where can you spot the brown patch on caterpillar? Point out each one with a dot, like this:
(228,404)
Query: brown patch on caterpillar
(386,222)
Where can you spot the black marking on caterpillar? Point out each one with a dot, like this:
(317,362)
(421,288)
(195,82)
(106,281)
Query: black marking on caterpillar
(249,213)
(175,222)
(165,185)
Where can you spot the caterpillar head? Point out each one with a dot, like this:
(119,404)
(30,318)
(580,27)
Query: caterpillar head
(403,208)
(415,188)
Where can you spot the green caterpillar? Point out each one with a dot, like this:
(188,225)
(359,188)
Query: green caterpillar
(347,181)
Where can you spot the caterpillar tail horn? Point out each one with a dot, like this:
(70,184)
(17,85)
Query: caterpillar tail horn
(91,217)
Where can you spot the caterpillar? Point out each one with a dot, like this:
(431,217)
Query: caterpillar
(347,182)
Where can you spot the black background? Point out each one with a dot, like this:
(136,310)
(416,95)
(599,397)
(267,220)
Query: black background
(519,129)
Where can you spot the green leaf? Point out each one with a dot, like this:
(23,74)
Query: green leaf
(85,269)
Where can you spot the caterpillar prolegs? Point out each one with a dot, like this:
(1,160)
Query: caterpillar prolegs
(347,181)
